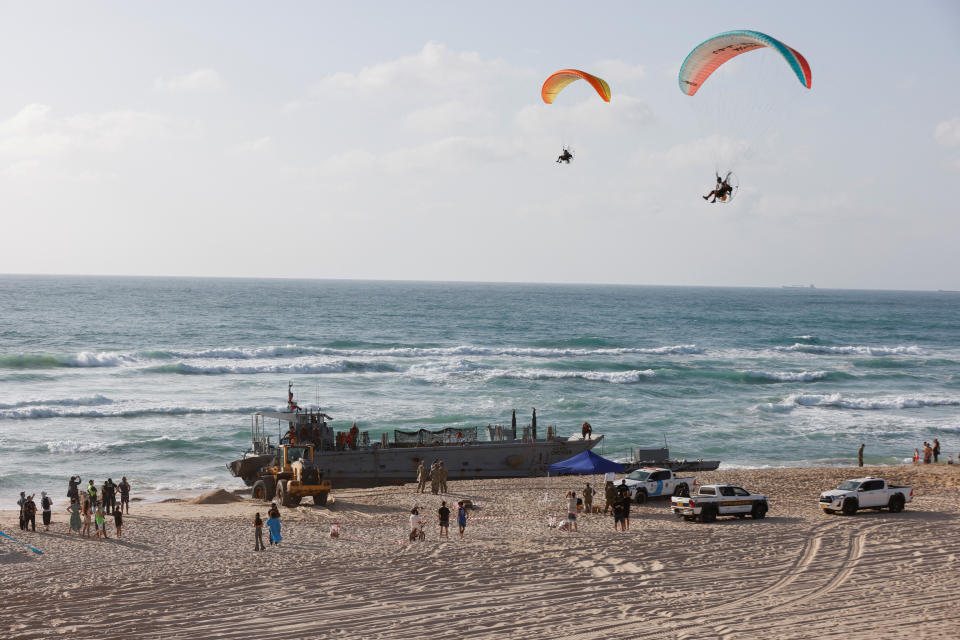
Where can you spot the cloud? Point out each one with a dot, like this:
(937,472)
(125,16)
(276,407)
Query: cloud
(947,133)
(254,146)
(196,81)
(448,116)
(592,114)
(35,131)
(614,71)
(433,68)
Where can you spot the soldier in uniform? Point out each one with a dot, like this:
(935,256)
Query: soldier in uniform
(443,477)
(435,478)
(421,476)
(610,494)
(588,498)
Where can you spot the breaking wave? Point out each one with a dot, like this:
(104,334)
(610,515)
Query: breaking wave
(40,412)
(614,377)
(854,350)
(82,359)
(299,368)
(839,401)
(90,401)
(786,376)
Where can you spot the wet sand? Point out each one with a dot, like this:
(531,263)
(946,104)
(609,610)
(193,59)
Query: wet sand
(187,570)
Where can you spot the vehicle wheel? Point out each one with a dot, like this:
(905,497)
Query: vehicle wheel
(641,496)
(708,513)
(741,516)
(829,511)
(759,511)
(849,507)
(689,518)
(283,495)
(682,491)
(321,498)
(259,491)
(896,503)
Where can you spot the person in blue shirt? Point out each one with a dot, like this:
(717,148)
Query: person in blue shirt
(273,523)
(461,517)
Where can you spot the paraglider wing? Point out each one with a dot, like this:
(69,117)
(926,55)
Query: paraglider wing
(709,55)
(557,81)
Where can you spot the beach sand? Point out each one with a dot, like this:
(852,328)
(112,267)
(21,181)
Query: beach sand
(186,570)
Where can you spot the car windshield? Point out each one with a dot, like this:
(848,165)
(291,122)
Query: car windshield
(639,475)
(295,453)
(849,485)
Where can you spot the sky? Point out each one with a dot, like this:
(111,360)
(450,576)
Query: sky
(387,140)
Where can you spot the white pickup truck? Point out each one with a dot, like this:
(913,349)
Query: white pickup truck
(865,493)
(713,500)
(655,482)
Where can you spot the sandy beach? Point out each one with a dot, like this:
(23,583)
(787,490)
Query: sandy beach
(187,570)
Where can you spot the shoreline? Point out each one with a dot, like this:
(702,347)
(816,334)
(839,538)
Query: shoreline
(186,570)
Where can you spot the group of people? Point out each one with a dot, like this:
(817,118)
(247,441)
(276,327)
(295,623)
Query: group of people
(443,518)
(89,507)
(931,453)
(437,475)
(617,499)
(273,525)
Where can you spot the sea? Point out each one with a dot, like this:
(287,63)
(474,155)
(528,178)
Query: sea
(156,379)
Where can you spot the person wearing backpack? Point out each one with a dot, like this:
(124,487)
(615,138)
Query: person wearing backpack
(46,506)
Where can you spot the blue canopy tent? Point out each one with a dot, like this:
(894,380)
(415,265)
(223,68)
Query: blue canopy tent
(585,463)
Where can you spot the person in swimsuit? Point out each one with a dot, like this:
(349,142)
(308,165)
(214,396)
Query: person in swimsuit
(117,521)
(87,518)
(124,488)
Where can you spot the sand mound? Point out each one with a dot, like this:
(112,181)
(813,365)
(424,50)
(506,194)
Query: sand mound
(218,496)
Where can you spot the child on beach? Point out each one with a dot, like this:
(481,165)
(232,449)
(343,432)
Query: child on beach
(117,520)
(273,523)
(618,516)
(414,524)
(258,534)
(461,517)
(100,522)
(87,515)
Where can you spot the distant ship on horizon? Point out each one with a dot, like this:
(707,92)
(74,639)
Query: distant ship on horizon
(798,286)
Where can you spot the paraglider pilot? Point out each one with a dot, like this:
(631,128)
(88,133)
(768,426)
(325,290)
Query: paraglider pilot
(722,190)
(566,156)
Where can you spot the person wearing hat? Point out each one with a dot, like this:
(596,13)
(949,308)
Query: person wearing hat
(46,505)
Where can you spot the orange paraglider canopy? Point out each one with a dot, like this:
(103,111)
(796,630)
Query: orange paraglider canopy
(557,81)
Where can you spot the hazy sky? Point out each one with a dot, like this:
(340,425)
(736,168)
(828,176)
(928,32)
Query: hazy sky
(407,140)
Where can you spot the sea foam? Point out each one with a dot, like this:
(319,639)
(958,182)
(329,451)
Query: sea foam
(854,350)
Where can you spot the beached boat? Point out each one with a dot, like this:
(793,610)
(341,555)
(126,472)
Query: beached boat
(349,459)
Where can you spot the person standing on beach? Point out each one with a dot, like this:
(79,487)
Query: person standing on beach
(936,450)
(100,522)
(46,504)
(927,452)
(22,501)
(443,477)
(73,488)
(109,496)
(118,520)
(30,514)
(421,476)
(87,517)
(461,518)
(124,488)
(916,456)
(625,502)
(611,496)
(74,510)
(91,492)
(414,523)
(588,498)
(258,534)
(443,515)
(572,509)
(618,515)
(623,490)
(273,523)
(434,478)
(860,455)
(273,513)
